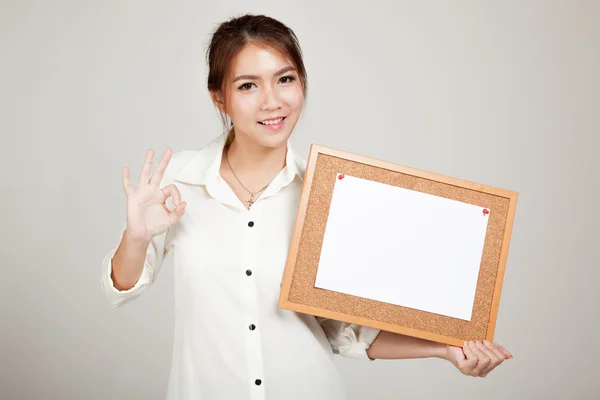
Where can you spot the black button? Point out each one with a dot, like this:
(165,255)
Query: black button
(251,224)
(258,382)
(252,327)
(248,272)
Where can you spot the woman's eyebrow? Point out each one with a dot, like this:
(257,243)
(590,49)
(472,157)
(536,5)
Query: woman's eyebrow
(280,72)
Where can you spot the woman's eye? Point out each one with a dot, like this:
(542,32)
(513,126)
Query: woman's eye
(246,86)
(288,79)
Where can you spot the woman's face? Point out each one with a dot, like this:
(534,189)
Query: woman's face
(265,96)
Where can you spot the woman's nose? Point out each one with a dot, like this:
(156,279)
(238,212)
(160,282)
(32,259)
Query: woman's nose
(271,100)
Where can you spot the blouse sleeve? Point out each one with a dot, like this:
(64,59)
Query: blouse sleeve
(155,256)
(349,340)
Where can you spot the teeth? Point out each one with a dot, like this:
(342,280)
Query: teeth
(272,122)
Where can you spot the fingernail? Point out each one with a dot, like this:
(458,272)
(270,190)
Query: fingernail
(487,343)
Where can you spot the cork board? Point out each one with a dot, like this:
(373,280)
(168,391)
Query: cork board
(298,291)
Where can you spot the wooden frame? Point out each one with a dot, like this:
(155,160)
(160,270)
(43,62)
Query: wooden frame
(299,294)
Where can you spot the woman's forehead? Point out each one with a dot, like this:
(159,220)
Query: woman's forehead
(259,61)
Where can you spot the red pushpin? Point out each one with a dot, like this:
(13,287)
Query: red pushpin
(341,176)
(486,211)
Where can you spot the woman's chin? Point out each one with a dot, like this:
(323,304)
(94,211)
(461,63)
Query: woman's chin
(273,138)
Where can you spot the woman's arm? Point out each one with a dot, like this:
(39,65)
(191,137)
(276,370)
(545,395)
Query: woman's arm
(390,345)
(128,261)
(473,359)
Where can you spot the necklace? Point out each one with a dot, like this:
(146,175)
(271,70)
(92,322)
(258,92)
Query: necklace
(251,200)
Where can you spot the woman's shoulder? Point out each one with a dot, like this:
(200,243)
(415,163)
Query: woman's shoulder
(182,157)
(184,161)
(178,162)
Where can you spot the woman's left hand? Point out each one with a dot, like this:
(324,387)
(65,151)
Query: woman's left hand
(477,358)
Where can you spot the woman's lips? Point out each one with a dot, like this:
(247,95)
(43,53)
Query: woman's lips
(271,126)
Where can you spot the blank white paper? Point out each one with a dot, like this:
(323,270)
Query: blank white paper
(402,247)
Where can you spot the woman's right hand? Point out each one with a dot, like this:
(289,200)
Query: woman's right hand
(147,212)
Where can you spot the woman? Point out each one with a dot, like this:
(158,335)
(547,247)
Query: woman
(235,205)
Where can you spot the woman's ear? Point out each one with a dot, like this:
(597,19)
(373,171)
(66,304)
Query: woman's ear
(217,100)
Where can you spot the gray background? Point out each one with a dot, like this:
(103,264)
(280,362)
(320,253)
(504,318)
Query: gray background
(501,93)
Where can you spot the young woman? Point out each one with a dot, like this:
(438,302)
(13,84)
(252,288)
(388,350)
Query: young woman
(235,205)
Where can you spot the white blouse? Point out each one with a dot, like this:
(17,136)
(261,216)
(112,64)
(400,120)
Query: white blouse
(231,340)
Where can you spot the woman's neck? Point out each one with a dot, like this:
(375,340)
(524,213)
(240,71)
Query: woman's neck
(254,165)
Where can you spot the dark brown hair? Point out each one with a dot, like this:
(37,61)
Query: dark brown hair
(232,36)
